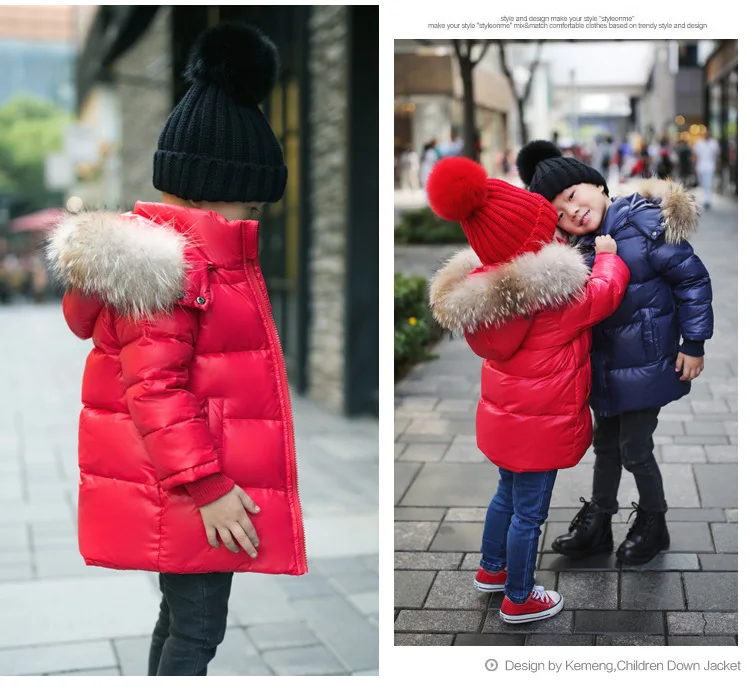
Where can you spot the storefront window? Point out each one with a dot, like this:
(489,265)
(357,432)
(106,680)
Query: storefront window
(732,129)
(281,233)
(714,110)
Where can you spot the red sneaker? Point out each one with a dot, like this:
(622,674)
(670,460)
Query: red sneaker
(490,581)
(539,605)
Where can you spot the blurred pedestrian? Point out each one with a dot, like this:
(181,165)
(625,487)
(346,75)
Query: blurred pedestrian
(454,147)
(507,164)
(609,156)
(645,164)
(665,165)
(430,157)
(408,163)
(646,354)
(533,329)
(654,155)
(625,159)
(705,155)
(186,430)
(685,163)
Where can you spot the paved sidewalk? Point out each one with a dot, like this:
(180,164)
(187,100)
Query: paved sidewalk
(63,618)
(687,596)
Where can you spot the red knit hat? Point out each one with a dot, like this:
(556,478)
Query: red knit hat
(500,220)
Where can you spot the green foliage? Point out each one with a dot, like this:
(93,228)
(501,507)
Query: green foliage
(415,329)
(424,227)
(30,128)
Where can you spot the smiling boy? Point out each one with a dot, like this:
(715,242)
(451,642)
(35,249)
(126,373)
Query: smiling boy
(646,354)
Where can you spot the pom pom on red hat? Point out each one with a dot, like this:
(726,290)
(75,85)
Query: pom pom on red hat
(456,187)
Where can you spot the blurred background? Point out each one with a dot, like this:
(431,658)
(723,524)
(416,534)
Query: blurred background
(606,102)
(84,93)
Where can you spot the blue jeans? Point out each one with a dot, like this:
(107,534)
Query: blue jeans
(513,526)
(191,625)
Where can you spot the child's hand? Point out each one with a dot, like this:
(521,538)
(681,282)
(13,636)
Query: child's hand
(691,366)
(228,517)
(605,244)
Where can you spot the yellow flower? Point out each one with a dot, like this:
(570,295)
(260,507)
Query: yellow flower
(412,321)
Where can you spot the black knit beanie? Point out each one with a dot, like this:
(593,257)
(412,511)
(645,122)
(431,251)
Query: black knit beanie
(544,170)
(217,145)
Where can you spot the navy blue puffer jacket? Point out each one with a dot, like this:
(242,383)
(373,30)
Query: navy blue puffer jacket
(669,297)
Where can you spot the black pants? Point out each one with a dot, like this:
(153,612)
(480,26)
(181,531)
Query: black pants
(191,625)
(626,441)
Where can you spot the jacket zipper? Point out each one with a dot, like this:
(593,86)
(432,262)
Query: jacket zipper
(265,304)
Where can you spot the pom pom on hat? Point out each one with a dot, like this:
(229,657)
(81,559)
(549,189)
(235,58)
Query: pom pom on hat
(545,170)
(500,220)
(217,144)
(456,187)
(531,154)
(237,58)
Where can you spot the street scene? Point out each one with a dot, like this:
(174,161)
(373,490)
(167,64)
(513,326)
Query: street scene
(84,94)
(443,483)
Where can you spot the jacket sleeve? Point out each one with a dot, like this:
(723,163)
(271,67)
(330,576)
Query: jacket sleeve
(155,356)
(602,295)
(499,342)
(80,312)
(691,286)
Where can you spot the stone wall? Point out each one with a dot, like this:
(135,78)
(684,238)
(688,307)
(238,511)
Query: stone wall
(144,89)
(328,119)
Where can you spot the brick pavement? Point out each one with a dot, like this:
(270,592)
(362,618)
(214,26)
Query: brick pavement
(63,618)
(687,596)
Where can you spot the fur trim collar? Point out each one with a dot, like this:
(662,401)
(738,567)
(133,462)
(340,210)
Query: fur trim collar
(548,279)
(679,209)
(134,265)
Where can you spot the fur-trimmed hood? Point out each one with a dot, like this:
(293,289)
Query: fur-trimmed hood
(461,299)
(680,211)
(133,264)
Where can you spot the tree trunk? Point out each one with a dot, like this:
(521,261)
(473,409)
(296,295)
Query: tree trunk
(466,66)
(520,99)
(468,126)
(522,121)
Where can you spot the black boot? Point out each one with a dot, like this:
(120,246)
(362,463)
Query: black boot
(590,533)
(647,537)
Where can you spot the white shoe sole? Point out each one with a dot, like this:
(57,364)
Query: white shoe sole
(488,588)
(531,617)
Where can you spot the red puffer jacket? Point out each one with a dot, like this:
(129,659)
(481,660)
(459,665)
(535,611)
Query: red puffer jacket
(530,319)
(186,379)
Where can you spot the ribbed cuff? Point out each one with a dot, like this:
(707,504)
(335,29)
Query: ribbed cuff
(694,348)
(195,177)
(209,489)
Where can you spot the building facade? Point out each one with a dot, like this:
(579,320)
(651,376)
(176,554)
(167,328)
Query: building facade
(319,245)
(37,53)
(721,108)
(429,98)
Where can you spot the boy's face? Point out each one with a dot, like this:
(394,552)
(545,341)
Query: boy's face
(580,208)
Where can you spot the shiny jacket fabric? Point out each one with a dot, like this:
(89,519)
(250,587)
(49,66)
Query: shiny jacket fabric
(186,379)
(668,299)
(530,320)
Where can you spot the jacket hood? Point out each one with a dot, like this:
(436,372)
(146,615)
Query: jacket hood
(133,264)
(465,295)
(678,209)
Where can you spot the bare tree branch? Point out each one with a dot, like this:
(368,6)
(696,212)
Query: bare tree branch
(506,70)
(532,70)
(481,55)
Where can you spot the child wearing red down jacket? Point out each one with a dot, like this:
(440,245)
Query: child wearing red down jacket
(186,445)
(526,305)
